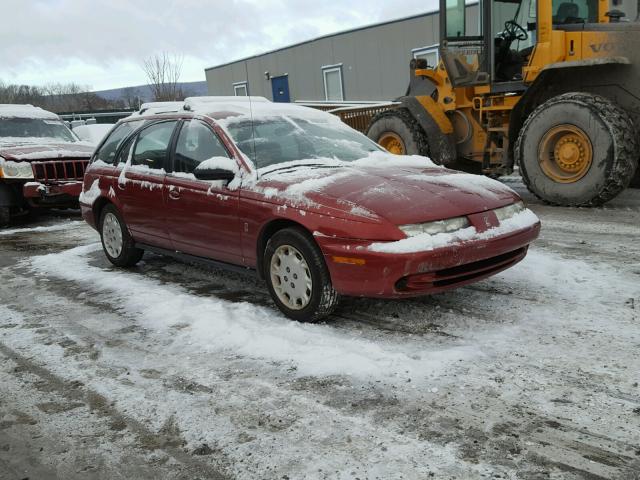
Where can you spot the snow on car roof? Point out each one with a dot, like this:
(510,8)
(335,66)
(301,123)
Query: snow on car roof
(252,107)
(25,111)
(236,108)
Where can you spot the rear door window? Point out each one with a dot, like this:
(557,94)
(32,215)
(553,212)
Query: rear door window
(196,143)
(107,153)
(152,148)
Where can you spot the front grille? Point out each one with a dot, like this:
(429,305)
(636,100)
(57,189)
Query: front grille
(59,170)
(466,273)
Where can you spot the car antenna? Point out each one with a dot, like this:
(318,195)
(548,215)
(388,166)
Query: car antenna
(253,130)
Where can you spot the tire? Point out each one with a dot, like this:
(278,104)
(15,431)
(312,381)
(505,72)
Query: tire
(414,140)
(284,248)
(612,141)
(111,222)
(401,123)
(5,216)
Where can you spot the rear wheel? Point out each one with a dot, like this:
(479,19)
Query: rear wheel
(117,243)
(5,216)
(577,149)
(398,132)
(297,276)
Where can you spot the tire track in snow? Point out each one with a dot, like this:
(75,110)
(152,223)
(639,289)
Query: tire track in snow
(77,393)
(255,332)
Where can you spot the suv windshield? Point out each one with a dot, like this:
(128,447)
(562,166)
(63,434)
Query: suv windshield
(35,129)
(287,139)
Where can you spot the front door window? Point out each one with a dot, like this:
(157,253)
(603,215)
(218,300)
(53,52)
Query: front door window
(152,147)
(196,144)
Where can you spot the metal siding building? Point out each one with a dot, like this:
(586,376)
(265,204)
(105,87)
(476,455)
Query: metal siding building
(373,62)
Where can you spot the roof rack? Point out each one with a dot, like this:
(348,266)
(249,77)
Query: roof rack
(192,103)
(157,108)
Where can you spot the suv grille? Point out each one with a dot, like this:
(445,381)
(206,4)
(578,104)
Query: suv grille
(59,170)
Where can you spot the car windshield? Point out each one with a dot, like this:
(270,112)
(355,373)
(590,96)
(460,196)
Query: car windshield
(288,139)
(31,129)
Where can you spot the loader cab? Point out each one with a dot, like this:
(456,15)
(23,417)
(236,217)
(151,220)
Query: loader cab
(492,46)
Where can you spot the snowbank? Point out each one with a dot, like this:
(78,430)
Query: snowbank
(211,324)
(51,228)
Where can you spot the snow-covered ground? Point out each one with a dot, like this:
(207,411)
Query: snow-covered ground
(174,371)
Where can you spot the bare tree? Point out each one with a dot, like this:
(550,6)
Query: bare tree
(56,97)
(163,73)
(131,97)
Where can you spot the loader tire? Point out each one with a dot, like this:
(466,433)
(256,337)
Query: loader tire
(399,133)
(577,149)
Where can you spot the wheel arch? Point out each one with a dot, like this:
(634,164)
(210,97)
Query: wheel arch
(269,230)
(9,197)
(98,207)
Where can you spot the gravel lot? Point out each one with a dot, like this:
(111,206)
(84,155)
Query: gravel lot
(175,371)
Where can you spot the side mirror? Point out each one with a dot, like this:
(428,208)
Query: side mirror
(214,174)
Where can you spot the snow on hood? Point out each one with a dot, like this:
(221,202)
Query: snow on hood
(36,149)
(25,111)
(402,190)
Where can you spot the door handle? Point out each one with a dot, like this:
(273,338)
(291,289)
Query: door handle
(121,185)
(174,194)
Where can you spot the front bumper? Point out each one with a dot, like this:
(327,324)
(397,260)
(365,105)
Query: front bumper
(52,194)
(357,271)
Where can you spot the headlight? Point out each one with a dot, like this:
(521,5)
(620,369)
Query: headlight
(433,228)
(509,211)
(9,169)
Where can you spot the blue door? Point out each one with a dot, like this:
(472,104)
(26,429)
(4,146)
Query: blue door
(280,87)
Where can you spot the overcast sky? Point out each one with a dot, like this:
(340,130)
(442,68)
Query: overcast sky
(102,43)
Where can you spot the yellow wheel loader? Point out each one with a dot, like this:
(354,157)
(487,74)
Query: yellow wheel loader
(550,86)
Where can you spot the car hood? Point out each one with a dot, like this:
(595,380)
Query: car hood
(45,151)
(400,195)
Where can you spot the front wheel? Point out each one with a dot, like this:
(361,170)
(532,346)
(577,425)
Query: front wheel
(5,216)
(117,243)
(577,149)
(297,276)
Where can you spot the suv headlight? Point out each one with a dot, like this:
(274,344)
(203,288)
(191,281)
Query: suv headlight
(509,211)
(433,228)
(9,169)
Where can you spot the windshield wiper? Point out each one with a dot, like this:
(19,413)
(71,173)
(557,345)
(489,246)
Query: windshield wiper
(293,167)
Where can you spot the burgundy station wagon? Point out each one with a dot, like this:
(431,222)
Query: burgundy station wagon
(315,208)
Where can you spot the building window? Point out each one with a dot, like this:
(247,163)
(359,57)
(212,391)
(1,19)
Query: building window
(430,54)
(333,87)
(241,89)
